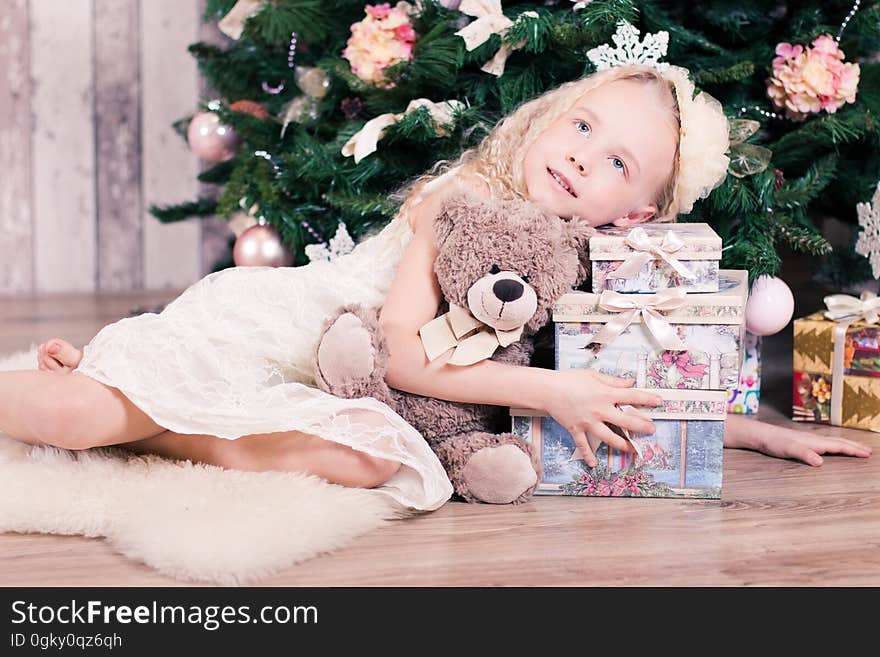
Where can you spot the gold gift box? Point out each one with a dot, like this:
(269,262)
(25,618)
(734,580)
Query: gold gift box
(813,373)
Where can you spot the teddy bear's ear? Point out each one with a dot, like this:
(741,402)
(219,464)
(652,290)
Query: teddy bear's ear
(452,210)
(579,232)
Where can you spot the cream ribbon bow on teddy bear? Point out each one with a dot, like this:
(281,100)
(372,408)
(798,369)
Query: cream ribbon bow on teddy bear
(473,340)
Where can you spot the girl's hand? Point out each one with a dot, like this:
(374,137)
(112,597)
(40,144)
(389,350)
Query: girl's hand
(583,401)
(805,446)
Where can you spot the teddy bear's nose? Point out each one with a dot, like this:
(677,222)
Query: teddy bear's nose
(507,290)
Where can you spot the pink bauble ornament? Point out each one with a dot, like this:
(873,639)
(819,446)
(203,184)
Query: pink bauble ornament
(770,306)
(261,246)
(210,139)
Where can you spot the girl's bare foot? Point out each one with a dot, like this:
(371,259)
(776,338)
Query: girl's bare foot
(57,355)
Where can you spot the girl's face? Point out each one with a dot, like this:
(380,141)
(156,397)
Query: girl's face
(606,159)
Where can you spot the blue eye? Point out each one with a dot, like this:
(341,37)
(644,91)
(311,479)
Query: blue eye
(615,161)
(581,123)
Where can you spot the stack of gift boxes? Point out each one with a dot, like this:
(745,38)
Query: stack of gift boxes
(662,312)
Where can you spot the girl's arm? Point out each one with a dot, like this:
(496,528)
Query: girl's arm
(412,301)
(745,433)
(581,400)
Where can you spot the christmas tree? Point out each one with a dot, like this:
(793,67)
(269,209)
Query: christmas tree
(335,105)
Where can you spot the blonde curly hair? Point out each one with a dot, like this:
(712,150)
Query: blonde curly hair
(498,159)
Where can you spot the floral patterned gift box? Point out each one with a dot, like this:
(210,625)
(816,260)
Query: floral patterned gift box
(746,397)
(688,341)
(655,257)
(837,369)
(681,459)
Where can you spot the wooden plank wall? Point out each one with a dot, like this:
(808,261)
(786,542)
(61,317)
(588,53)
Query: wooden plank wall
(16,218)
(88,92)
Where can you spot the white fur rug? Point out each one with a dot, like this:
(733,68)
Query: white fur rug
(192,522)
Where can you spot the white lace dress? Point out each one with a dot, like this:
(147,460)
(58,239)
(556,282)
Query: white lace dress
(232,356)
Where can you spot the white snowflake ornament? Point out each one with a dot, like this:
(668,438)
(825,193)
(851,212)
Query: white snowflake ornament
(630,50)
(868,244)
(339,245)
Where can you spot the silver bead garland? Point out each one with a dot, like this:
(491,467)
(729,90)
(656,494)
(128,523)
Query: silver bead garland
(272,90)
(762,112)
(291,55)
(291,52)
(312,232)
(268,157)
(852,12)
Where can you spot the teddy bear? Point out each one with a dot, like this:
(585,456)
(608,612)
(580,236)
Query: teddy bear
(500,265)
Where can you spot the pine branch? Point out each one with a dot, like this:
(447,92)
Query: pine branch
(605,15)
(435,58)
(863,32)
(751,247)
(802,191)
(276,21)
(519,84)
(738,25)
(217,174)
(818,135)
(869,90)
(680,38)
(167,214)
(733,73)
(254,131)
(363,204)
(240,69)
(800,238)
(735,197)
(537,33)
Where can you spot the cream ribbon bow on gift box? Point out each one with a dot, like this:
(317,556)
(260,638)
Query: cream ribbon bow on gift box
(490,20)
(631,306)
(473,340)
(644,250)
(843,306)
(365,140)
(844,310)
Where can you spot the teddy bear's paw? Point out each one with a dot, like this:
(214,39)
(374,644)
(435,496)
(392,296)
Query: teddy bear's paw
(346,357)
(500,475)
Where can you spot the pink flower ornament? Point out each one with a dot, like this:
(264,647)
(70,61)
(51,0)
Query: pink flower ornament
(384,38)
(786,51)
(813,79)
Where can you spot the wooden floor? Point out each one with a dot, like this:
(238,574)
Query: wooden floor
(780,523)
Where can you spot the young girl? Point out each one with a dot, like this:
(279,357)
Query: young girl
(223,375)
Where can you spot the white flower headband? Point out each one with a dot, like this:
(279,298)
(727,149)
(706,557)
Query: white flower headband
(704,129)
